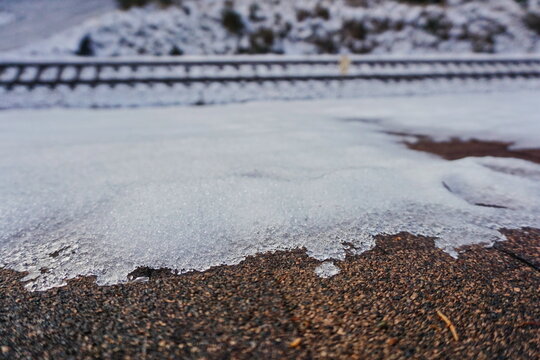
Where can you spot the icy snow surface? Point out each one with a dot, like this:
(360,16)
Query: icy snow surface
(88,192)
(327,269)
(497,117)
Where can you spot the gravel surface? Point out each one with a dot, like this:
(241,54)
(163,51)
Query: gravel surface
(521,248)
(457,149)
(383,304)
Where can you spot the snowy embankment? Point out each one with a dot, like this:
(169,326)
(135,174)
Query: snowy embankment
(304,27)
(88,192)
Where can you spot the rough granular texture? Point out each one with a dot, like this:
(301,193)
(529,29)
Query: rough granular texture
(458,149)
(521,247)
(383,304)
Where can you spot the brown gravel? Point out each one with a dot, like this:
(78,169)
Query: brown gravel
(521,247)
(457,149)
(383,304)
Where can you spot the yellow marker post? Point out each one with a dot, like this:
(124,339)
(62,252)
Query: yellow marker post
(344,64)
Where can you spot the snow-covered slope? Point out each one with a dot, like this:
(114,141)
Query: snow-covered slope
(304,27)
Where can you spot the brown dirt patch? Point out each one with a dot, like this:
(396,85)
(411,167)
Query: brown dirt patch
(383,304)
(457,149)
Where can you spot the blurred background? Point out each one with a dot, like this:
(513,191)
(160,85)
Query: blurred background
(212,27)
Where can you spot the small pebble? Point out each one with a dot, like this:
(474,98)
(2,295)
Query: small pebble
(295,343)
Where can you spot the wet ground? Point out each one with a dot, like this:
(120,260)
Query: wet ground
(403,299)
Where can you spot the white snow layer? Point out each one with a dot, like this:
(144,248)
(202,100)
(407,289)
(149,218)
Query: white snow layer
(88,192)
(327,269)
(303,27)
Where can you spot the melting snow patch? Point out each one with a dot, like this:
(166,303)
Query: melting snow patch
(326,270)
(87,192)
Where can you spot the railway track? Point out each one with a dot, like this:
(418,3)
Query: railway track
(29,76)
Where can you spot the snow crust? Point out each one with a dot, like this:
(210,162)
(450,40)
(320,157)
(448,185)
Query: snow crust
(327,269)
(87,192)
(302,27)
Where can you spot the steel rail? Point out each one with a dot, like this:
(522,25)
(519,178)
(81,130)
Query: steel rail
(31,73)
(260,79)
(284,60)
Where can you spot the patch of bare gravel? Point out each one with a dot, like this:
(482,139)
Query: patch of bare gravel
(382,304)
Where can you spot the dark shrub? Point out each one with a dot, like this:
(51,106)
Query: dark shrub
(86,47)
(285,30)
(176,51)
(533,22)
(380,25)
(302,15)
(261,41)
(232,21)
(486,45)
(432,25)
(165,3)
(255,13)
(438,26)
(322,12)
(325,45)
(126,4)
(354,29)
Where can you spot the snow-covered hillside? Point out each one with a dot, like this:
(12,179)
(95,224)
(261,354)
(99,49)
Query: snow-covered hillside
(305,27)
